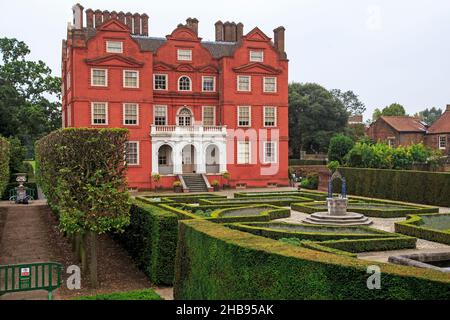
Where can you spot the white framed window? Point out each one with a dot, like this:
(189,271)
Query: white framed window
(270,84)
(270,152)
(114,46)
(270,116)
(244,116)
(132,153)
(244,83)
(130,114)
(160,81)
(130,79)
(208,84)
(209,115)
(257,55)
(442,142)
(184,84)
(99,113)
(160,115)
(184,55)
(99,77)
(391,142)
(243,152)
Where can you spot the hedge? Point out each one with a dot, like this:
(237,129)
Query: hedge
(145,294)
(300,162)
(431,188)
(4,164)
(180,198)
(281,201)
(214,262)
(151,240)
(413,228)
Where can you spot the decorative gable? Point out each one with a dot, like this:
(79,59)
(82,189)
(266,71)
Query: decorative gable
(183,33)
(114,25)
(208,69)
(161,66)
(185,67)
(257,35)
(257,68)
(115,60)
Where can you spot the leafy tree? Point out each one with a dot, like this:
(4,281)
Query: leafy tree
(355,131)
(394,109)
(315,116)
(350,100)
(429,116)
(17,156)
(28,95)
(340,145)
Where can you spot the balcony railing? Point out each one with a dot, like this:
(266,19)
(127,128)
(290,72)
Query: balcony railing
(181,130)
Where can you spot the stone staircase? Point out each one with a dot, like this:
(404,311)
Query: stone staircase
(350,219)
(195,182)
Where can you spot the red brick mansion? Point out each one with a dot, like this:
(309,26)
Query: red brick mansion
(195,109)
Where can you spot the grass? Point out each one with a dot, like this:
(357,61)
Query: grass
(146,294)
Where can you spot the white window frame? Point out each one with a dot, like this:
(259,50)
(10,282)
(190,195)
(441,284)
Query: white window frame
(137,79)
(274,150)
(214,83)
(154,114)
(445,142)
(249,117)
(184,52)
(214,115)
(239,160)
(106,114)
(167,81)
(108,50)
(249,83)
(275,116)
(138,154)
(264,85)
(92,77)
(190,84)
(253,59)
(124,113)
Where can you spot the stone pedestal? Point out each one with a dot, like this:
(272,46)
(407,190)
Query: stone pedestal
(337,206)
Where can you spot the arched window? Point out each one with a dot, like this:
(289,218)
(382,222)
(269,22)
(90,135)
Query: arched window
(185,117)
(184,84)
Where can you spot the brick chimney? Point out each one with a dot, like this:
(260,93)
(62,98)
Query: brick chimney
(144,19)
(233,32)
(136,23)
(106,15)
(448,107)
(279,38)
(227,31)
(239,31)
(121,17)
(192,23)
(114,15)
(129,20)
(78,16)
(89,18)
(98,18)
(219,30)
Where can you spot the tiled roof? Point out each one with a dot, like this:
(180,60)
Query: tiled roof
(405,123)
(442,125)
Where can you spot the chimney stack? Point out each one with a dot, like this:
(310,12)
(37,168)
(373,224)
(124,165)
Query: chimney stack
(279,38)
(239,31)
(89,18)
(144,18)
(137,24)
(98,18)
(448,107)
(227,31)
(192,23)
(106,16)
(219,31)
(121,17)
(129,20)
(78,16)
(114,15)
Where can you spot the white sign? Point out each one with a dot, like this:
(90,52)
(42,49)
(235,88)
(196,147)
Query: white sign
(25,272)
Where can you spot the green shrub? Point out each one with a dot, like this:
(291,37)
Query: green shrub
(151,240)
(340,145)
(17,157)
(216,263)
(146,294)
(414,227)
(311,181)
(432,188)
(300,162)
(4,164)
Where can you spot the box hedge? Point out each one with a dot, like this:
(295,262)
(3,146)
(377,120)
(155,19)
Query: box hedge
(276,201)
(423,187)
(4,164)
(151,240)
(412,227)
(215,262)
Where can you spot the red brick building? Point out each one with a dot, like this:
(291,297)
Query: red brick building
(438,134)
(195,109)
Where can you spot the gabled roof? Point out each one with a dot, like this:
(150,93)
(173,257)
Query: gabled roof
(405,123)
(442,125)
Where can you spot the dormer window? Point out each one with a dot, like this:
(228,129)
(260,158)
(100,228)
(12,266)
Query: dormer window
(256,56)
(184,55)
(114,46)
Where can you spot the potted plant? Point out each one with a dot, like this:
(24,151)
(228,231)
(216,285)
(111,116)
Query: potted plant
(177,187)
(156,177)
(215,185)
(227,177)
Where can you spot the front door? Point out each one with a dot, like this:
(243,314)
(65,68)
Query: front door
(189,159)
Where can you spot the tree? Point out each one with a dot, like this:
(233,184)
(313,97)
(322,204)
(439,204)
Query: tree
(394,109)
(340,145)
(351,102)
(315,116)
(29,95)
(429,116)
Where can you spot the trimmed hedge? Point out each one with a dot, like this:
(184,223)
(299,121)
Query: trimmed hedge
(431,188)
(412,227)
(151,240)
(281,201)
(4,164)
(214,262)
(145,294)
(300,162)
(180,198)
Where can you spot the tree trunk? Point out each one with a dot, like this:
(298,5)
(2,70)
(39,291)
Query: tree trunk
(77,245)
(93,259)
(82,251)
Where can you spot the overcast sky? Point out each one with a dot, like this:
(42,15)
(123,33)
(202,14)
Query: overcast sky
(385,51)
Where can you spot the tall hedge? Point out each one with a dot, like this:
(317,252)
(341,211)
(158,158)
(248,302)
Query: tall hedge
(217,263)
(431,188)
(4,164)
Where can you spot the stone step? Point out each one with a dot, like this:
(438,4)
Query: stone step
(337,221)
(347,224)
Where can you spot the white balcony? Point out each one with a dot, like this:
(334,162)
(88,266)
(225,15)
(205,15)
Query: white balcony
(170,131)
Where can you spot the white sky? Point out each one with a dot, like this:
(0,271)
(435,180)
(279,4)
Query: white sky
(385,51)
